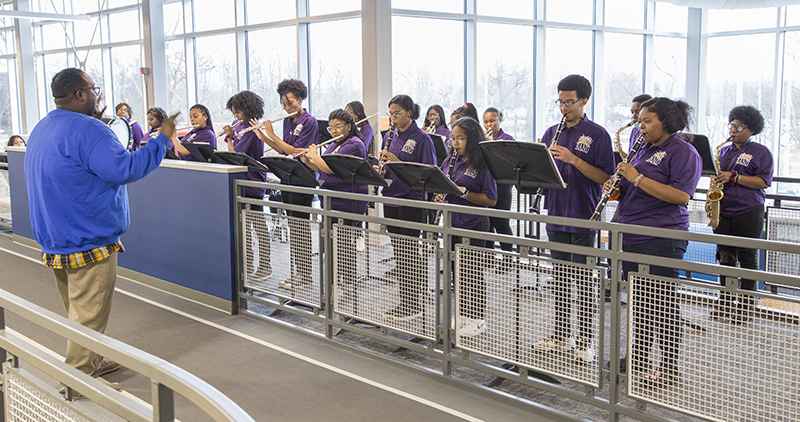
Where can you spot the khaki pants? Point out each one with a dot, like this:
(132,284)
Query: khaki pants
(87,293)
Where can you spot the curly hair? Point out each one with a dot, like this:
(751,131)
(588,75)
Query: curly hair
(406,103)
(466,110)
(748,115)
(203,109)
(576,83)
(295,86)
(674,115)
(67,82)
(348,119)
(641,98)
(247,102)
(158,113)
(128,109)
(438,109)
(475,135)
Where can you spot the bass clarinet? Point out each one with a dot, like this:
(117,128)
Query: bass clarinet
(615,179)
(453,157)
(382,164)
(540,192)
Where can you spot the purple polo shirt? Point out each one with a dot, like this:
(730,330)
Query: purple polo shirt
(356,148)
(751,159)
(137,133)
(478,181)
(198,136)
(634,136)
(443,131)
(303,132)
(502,136)
(414,146)
(591,143)
(250,145)
(151,134)
(675,163)
(367,134)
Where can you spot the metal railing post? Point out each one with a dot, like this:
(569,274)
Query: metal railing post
(163,402)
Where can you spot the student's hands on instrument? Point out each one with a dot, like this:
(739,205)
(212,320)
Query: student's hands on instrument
(168,126)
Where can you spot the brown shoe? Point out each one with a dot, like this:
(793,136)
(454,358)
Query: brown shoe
(106,366)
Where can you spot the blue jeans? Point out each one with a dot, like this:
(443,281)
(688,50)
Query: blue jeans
(563,286)
(657,315)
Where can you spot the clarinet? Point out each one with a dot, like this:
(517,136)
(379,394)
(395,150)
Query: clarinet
(615,179)
(540,192)
(449,175)
(381,169)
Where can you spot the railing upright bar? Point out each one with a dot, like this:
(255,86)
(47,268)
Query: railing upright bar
(163,402)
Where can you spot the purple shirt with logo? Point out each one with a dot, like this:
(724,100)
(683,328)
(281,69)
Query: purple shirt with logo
(591,143)
(367,134)
(478,181)
(303,132)
(198,136)
(502,136)
(751,159)
(137,133)
(355,147)
(675,163)
(414,146)
(250,145)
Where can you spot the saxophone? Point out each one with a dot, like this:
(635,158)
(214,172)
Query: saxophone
(715,191)
(617,142)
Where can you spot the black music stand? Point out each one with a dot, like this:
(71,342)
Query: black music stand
(170,155)
(239,159)
(424,177)
(203,152)
(439,147)
(291,171)
(324,135)
(703,147)
(528,166)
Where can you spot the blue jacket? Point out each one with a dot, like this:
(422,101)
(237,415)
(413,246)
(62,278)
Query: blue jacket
(76,171)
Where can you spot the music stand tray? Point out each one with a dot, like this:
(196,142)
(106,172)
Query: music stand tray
(424,177)
(239,159)
(526,165)
(290,171)
(354,170)
(703,147)
(203,152)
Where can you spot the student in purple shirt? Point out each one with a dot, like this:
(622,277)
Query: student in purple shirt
(466,110)
(124,111)
(342,123)
(492,118)
(654,191)
(246,106)
(435,126)
(356,109)
(467,169)
(408,143)
(585,160)
(203,132)
(299,132)
(155,116)
(746,171)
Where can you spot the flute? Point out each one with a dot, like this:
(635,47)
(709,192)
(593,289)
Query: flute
(302,153)
(233,126)
(366,118)
(261,125)
(178,129)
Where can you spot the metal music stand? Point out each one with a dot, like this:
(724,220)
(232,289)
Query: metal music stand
(170,155)
(528,166)
(424,177)
(203,152)
(703,147)
(439,147)
(239,159)
(291,171)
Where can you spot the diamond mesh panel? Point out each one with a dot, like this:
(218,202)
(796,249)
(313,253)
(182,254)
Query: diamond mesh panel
(25,402)
(745,367)
(388,282)
(527,300)
(783,225)
(282,256)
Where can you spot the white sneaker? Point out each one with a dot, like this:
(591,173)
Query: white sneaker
(472,327)
(586,354)
(554,344)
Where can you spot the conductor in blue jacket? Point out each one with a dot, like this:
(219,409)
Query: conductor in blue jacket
(76,171)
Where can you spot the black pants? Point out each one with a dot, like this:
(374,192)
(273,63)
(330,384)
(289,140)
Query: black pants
(407,256)
(749,224)
(300,237)
(502,225)
(472,302)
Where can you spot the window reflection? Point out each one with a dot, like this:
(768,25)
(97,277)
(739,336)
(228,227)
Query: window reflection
(669,67)
(787,158)
(270,62)
(124,26)
(622,79)
(260,11)
(335,66)
(176,77)
(126,80)
(322,7)
(215,67)
(574,11)
(559,64)
(624,13)
(213,14)
(506,8)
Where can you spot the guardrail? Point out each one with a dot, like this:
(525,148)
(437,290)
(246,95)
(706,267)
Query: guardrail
(735,352)
(27,397)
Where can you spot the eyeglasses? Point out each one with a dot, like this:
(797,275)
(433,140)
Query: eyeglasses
(737,128)
(460,139)
(568,103)
(95,89)
(394,113)
(336,128)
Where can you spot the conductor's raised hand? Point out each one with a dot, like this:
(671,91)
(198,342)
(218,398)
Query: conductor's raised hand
(168,126)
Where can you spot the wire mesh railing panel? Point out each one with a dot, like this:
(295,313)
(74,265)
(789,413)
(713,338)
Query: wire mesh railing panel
(535,313)
(725,362)
(783,225)
(281,256)
(26,402)
(389,281)
(5,196)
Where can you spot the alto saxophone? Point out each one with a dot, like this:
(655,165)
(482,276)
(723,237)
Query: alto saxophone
(617,142)
(715,194)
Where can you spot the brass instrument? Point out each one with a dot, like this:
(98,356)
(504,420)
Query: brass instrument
(431,128)
(453,157)
(617,142)
(714,194)
(261,125)
(302,153)
(382,164)
(489,133)
(616,178)
(233,126)
(540,192)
